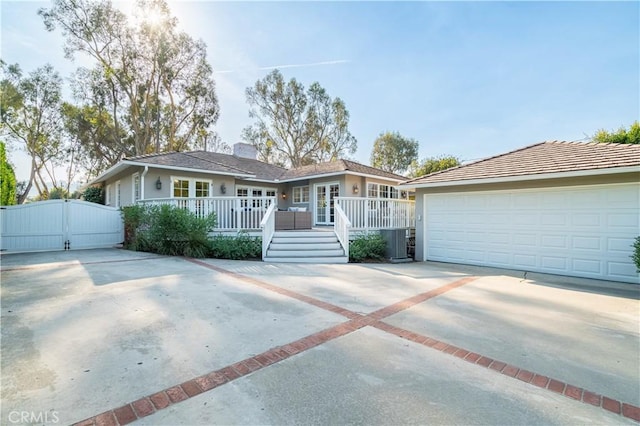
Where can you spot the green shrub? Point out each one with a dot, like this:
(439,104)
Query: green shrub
(167,230)
(636,253)
(94,194)
(367,247)
(242,246)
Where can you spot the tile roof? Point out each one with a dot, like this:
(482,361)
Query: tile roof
(336,167)
(214,162)
(225,163)
(541,158)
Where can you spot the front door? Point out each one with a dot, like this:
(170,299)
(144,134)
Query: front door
(325,199)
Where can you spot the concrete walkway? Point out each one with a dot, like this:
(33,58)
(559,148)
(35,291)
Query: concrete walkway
(112,337)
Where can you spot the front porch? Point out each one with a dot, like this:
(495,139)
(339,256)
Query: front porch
(259,216)
(236,214)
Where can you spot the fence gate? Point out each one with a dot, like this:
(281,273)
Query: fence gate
(59,225)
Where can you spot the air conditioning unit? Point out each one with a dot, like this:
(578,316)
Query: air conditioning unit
(396,240)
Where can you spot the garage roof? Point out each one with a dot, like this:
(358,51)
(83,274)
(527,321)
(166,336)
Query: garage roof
(542,160)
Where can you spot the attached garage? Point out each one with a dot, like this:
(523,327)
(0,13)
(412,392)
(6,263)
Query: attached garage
(578,222)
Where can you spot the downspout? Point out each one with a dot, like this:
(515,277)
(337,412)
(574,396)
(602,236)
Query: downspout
(146,169)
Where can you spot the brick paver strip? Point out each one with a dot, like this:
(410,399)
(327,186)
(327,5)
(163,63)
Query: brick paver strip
(193,387)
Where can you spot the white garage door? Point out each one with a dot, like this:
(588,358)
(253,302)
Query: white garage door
(577,231)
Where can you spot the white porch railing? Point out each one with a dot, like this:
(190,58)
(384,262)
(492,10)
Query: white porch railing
(233,213)
(378,213)
(341,227)
(268,225)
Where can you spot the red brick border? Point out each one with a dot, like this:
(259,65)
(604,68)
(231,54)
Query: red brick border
(570,391)
(173,395)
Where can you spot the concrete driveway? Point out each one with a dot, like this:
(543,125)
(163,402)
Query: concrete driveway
(111,337)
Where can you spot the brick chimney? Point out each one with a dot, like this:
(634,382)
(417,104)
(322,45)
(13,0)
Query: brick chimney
(245,150)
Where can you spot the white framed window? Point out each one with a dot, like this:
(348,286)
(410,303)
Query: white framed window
(118,194)
(254,195)
(372,190)
(135,187)
(190,187)
(300,194)
(378,190)
(107,196)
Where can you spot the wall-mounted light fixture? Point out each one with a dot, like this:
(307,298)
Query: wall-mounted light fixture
(223,188)
(158,184)
(403,194)
(284,195)
(355,188)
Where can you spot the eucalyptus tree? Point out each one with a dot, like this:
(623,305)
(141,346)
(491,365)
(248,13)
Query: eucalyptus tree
(153,80)
(30,116)
(393,152)
(294,127)
(7,179)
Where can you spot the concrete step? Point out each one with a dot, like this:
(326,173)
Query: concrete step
(304,240)
(306,234)
(305,246)
(322,260)
(305,253)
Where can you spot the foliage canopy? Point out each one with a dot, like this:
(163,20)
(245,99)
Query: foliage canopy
(432,165)
(393,152)
(622,135)
(296,127)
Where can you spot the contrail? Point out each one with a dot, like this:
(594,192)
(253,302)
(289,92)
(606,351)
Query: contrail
(312,64)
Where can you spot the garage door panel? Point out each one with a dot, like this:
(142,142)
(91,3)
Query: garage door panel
(476,237)
(621,269)
(525,240)
(498,219)
(587,266)
(620,245)
(586,243)
(623,220)
(628,197)
(554,219)
(586,219)
(501,258)
(525,260)
(553,242)
(476,255)
(585,198)
(522,219)
(554,263)
(581,231)
(525,201)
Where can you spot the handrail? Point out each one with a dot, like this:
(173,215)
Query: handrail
(268,225)
(378,213)
(341,227)
(232,213)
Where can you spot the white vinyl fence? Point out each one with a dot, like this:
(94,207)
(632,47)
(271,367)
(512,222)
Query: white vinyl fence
(59,225)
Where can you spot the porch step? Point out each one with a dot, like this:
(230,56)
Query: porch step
(305,247)
(325,260)
(304,240)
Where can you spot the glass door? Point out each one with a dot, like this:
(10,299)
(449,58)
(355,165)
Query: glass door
(325,203)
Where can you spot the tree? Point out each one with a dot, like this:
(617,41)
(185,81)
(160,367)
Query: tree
(295,127)
(393,152)
(622,135)
(30,115)
(151,85)
(432,165)
(7,179)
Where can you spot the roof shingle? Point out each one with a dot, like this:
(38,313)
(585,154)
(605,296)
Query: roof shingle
(336,167)
(541,158)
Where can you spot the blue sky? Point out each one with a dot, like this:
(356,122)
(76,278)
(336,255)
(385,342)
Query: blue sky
(470,79)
